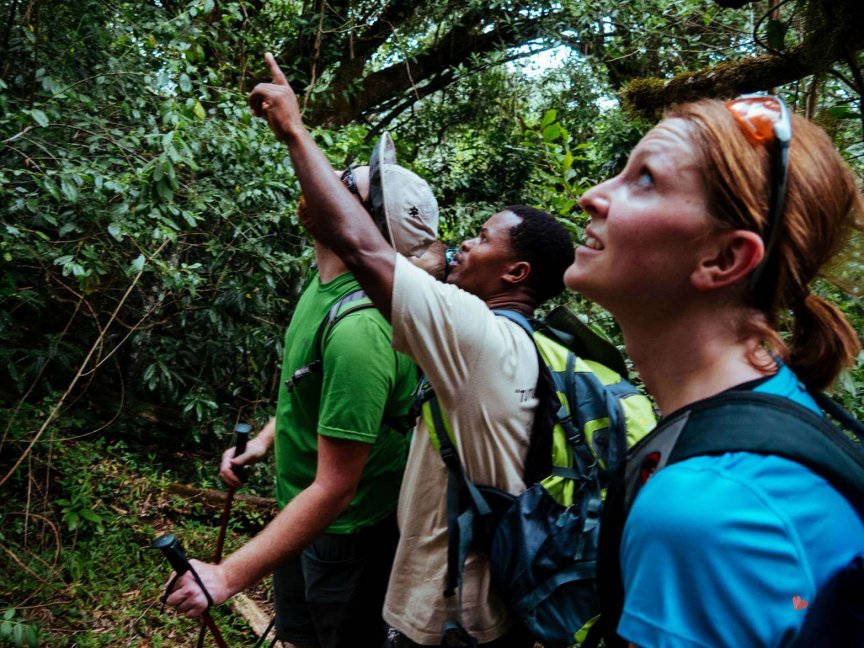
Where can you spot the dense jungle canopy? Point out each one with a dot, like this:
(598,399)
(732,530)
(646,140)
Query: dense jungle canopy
(150,253)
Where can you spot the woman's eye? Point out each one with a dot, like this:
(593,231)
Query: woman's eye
(645,180)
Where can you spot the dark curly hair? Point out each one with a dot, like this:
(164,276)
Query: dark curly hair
(544,243)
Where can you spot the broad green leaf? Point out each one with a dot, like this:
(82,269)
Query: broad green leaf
(69,189)
(548,118)
(32,637)
(138,264)
(8,614)
(552,132)
(89,515)
(115,231)
(185,83)
(843,112)
(199,111)
(163,188)
(39,117)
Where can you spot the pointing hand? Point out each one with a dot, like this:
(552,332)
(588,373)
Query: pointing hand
(277,103)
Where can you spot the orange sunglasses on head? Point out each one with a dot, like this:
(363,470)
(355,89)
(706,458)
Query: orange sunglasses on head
(764,119)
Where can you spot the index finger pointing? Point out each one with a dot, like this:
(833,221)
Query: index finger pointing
(275,71)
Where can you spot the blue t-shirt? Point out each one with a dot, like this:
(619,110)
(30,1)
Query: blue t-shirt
(730,550)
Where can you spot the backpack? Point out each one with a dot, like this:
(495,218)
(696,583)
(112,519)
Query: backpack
(542,544)
(747,421)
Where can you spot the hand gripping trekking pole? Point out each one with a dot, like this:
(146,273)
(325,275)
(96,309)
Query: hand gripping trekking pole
(241,432)
(173,552)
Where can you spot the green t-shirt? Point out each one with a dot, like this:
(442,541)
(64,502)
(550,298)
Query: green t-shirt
(363,380)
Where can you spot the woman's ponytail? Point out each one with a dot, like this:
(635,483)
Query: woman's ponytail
(823,342)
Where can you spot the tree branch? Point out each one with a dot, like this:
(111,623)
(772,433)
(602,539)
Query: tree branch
(457,47)
(647,96)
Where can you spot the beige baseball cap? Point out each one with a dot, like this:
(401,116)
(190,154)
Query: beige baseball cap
(403,205)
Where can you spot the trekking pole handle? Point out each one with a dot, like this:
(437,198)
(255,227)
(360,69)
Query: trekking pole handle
(241,432)
(173,552)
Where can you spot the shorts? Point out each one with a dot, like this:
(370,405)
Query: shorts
(333,593)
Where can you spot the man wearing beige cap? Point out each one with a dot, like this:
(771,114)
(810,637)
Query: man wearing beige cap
(340,454)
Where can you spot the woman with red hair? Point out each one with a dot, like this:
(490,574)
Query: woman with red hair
(704,248)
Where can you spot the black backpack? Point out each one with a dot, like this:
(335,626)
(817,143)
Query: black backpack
(746,421)
(542,544)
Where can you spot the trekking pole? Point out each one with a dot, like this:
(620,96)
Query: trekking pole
(173,552)
(241,432)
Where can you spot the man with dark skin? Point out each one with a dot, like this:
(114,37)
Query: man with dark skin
(483,369)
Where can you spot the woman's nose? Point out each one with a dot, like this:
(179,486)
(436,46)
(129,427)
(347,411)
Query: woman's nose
(595,201)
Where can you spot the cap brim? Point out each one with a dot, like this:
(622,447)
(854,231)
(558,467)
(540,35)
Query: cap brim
(383,153)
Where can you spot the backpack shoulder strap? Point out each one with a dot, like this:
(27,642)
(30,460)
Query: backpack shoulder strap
(348,304)
(517,318)
(550,410)
(746,421)
(735,421)
(460,524)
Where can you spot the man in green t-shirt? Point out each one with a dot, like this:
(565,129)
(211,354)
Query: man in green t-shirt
(339,465)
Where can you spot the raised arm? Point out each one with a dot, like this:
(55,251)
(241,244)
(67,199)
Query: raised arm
(338,221)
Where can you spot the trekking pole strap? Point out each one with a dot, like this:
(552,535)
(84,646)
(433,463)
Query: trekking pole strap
(173,552)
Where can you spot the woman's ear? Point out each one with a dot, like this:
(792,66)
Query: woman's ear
(518,272)
(729,257)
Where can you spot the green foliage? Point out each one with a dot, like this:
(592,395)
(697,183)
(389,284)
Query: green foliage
(145,215)
(17,632)
(101,587)
(78,511)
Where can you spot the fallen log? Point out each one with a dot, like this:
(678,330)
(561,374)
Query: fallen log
(217,497)
(257,619)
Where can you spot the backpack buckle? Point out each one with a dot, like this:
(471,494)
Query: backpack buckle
(447,454)
(301,373)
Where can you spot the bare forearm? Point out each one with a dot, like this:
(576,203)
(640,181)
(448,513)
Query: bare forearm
(292,530)
(340,465)
(337,220)
(267,433)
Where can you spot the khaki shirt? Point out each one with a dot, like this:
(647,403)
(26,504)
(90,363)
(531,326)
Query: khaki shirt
(484,370)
